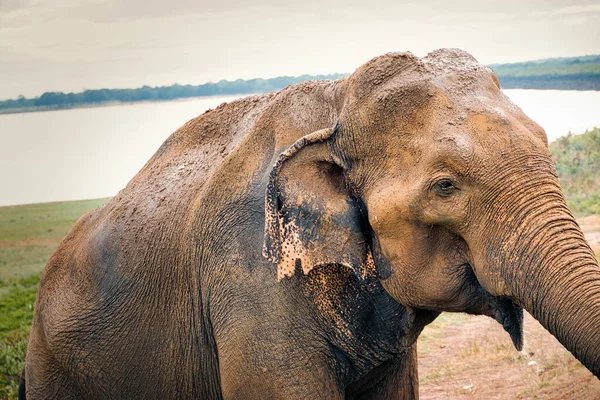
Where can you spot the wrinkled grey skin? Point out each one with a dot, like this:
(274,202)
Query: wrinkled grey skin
(294,245)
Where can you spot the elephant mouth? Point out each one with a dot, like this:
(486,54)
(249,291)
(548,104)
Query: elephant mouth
(503,310)
(510,316)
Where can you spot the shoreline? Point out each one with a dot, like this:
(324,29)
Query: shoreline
(27,110)
(35,109)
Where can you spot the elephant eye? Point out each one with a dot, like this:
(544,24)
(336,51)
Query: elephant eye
(444,187)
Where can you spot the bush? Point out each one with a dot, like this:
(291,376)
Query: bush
(577,159)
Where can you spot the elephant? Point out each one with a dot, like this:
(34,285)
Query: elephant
(295,244)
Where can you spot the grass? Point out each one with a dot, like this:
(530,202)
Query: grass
(16,313)
(28,236)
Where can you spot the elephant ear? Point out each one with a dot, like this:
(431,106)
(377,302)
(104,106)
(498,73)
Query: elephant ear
(310,217)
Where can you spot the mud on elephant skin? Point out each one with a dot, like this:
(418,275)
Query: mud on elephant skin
(295,244)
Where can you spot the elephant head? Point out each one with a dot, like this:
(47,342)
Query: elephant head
(433,182)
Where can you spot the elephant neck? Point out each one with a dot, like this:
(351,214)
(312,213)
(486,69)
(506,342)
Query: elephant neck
(362,324)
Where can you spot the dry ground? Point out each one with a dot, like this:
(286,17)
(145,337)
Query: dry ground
(591,227)
(468,357)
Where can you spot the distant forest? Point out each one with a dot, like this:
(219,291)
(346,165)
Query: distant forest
(59,100)
(574,73)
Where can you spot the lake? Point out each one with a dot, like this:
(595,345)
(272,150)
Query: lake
(93,152)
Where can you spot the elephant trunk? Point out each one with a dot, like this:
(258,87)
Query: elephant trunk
(544,264)
(562,291)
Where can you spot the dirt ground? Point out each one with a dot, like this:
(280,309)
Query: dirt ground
(468,357)
(591,228)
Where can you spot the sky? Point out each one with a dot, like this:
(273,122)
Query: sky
(72,45)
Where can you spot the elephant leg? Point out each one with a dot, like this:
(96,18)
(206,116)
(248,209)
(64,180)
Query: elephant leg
(44,378)
(396,379)
(285,371)
(247,381)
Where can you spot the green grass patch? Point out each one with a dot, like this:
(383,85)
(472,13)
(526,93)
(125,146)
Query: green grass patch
(12,358)
(45,221)
(16,314)
(19,261)
(29,235)
(16,306)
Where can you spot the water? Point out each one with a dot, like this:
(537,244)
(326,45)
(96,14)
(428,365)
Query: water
(93,152)
(85,153)
(559,111)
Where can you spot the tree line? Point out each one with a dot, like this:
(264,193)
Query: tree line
(567,73)
(574,73)
(147,93)
(582,81)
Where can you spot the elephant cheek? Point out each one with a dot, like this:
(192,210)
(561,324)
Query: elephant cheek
(483,263)
(408,272)
(391,274)
(402,292)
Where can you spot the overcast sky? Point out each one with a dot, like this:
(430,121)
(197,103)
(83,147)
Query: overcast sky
(71,45)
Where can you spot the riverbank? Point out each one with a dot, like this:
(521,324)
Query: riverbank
(58,107)
(25,110)
(513,84)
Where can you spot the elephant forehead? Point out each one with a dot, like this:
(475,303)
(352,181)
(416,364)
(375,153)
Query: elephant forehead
(504,132)
(456,149)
